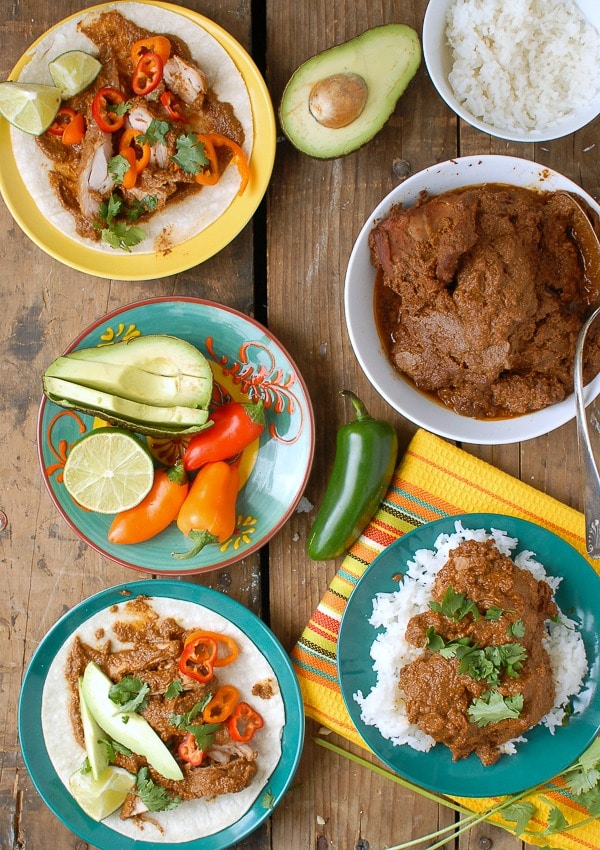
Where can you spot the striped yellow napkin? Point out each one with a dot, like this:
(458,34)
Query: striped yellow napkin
(433,480)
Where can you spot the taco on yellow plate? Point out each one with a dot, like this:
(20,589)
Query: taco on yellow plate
(201,685)
(167,131)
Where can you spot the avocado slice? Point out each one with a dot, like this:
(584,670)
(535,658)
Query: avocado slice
(141,418)
(340,99)
(134,383)
(93,738)
(128,728)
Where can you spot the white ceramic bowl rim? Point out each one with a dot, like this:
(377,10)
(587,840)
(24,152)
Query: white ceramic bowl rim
(438,59)
(360,320)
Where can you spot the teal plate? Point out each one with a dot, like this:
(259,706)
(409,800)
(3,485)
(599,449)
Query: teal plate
(545,754)
(248,364)
(38,762)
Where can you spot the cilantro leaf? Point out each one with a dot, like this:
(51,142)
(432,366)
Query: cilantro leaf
(520,814)
(492,707)
(119,235)
(174,689)
(183,721)
(190,155)
(517,629)
(156,133)
(455,606)
(493,613)
(139,208)
(118,166)
(129,694)
(153,796)
(204,733)
(556,822)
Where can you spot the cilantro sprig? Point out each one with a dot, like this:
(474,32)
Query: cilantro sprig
(129,694)
(153,796)
(116,233)
(482,663)
(492,707)
(204,733)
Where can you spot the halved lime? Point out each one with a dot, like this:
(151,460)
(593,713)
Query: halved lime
(28,106)
(101,797)
(109,470)
(73,71)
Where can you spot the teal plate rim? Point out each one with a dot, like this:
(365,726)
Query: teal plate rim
(258,362)
(544,755)
(35,754)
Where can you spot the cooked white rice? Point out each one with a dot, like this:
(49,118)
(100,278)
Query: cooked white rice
(523,64)
(384,706)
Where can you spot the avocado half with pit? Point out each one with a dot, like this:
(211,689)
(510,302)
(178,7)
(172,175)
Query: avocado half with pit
(340,99)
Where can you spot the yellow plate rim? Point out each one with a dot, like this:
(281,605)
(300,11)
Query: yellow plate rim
(198,249)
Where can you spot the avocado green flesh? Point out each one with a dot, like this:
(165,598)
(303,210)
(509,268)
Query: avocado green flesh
(158,353)
(128,728)
(142,418)
(92,736)
(386,57)
(134,383)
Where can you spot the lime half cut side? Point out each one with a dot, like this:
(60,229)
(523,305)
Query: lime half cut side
(109,470)
(73,71)
(29,107)
(99,798)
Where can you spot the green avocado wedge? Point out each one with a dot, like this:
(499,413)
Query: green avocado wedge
(94,739)
(128,728)
(146,419)
(134,383)
(338,100)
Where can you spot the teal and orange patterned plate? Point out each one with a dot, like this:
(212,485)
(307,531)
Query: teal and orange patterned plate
(248,364)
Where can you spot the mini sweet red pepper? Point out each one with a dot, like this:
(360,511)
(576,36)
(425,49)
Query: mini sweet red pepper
(244,722)
(148,74)
(197,658)
(235,426)
(108,110)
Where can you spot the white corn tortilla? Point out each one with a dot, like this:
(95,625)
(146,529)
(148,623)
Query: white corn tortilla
(177,222)
(194,818)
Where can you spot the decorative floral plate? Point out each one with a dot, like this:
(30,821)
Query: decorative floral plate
(248,364)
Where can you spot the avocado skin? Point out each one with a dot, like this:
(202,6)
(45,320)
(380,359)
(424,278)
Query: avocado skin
(387,57)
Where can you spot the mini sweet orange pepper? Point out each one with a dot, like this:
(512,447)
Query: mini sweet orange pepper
(208,514)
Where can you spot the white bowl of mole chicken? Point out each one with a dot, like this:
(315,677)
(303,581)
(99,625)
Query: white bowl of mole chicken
(527,71)
(465,292)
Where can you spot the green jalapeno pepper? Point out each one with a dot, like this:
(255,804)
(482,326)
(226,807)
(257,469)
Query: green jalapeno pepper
(365,458)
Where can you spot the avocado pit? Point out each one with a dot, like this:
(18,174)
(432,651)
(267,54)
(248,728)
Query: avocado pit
(338,100)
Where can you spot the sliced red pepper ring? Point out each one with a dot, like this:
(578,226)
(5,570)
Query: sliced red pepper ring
(198,656)
(221,705)
(148,74)
(172,105)
(159,44)
(227,648)
(244,722)
(64,116)
(104,112)
(189,752)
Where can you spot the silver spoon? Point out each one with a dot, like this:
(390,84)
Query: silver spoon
(589,247)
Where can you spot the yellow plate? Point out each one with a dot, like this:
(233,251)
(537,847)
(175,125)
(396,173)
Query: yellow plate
(181,257)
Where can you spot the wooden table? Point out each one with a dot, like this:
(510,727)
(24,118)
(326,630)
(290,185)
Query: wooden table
(286,268)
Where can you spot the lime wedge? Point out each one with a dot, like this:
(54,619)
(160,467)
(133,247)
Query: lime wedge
(109,470)
(101,797)
(30,107)
(73,71)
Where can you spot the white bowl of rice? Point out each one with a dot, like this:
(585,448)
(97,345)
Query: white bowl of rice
(525,71)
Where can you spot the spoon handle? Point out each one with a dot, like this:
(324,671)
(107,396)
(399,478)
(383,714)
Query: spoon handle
(591,497)
(591,478)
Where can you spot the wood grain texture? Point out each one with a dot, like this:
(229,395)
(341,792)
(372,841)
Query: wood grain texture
(287,267)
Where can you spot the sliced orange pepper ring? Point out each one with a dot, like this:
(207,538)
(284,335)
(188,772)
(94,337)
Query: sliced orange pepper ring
(221,705)
(131,139)
(159,44)
(211,175)
(238,159)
